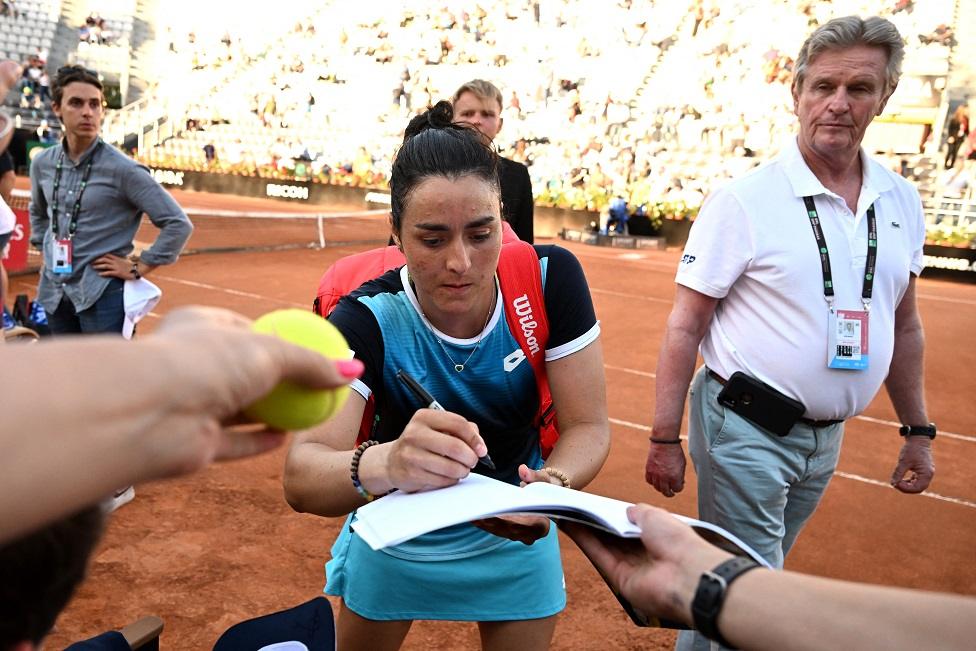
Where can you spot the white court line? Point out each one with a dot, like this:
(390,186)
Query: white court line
(627,423)
(632,371)
(643,261)
(673,266)
(946,299)
(934,496)
(643,297)
(951,435)
(268,214)
(639,297)
(839,473)
(869,419)
(961,437)
(235,292)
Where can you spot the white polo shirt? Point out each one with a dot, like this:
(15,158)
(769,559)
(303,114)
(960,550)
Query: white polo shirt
(753,247)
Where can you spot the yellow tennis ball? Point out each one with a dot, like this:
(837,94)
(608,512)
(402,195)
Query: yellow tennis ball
(289,406)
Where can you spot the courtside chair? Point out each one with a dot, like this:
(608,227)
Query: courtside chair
(141,635)
(310,624)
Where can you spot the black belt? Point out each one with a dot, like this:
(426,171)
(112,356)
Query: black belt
(806,421)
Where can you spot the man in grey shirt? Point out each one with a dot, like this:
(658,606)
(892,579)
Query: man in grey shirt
(87,200)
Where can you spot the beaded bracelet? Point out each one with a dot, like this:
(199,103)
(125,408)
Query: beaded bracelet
(354,470)
(558,474)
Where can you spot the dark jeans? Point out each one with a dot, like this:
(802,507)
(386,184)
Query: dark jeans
(106,315)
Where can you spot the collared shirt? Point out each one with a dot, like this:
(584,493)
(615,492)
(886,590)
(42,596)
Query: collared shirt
(752,246)
(118,192)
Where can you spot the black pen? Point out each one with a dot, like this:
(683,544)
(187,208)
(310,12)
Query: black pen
(424,396)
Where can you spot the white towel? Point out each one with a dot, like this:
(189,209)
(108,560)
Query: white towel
(140,297)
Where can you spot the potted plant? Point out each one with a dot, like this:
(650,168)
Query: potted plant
(676,220)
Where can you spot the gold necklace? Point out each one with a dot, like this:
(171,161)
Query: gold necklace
(460,367)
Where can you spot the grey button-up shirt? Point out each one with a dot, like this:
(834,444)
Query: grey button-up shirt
(119,190)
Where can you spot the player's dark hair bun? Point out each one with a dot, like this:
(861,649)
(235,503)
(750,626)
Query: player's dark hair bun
(438,116)
(433,145)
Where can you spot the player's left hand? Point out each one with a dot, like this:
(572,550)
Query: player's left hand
(113,266)
(915,468)
(525,529)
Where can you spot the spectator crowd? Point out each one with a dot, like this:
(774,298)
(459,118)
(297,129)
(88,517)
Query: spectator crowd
(694,97)
(648,102)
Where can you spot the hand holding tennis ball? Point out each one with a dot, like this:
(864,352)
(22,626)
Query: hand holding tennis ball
(289,406)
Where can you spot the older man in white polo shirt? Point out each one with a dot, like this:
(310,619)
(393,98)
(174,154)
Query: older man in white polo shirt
(798,281)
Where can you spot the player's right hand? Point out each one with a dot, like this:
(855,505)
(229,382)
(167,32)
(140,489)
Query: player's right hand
(665,468)
(436,449)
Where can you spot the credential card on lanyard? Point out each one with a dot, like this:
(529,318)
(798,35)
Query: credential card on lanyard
(61,256)
(847,344)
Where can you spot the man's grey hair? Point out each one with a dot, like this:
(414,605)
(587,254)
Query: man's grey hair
(848,32)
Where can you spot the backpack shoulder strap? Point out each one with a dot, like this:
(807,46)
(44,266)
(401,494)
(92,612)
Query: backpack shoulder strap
(525,309)
(521,283)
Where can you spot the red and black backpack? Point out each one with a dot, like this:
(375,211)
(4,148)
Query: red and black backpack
(525,310)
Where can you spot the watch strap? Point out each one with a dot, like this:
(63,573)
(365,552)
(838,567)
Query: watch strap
(710,595)
(918,430)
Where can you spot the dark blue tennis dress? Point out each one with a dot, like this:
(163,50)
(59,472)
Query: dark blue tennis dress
(459,573)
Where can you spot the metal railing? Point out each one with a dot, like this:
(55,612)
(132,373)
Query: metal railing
(148,118)
(949,210)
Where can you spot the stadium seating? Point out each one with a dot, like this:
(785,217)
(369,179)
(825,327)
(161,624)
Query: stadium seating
(635,98)
(700,104)
(31,31)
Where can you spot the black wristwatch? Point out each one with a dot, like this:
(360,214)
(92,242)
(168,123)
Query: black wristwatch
(710,595)
(918,430)
(135,271)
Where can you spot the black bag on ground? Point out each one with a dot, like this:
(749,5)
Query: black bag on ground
(22,315)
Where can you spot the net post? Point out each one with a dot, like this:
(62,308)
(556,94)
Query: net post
(319,219)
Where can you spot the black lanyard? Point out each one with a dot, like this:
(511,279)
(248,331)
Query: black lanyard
(76,208)
(828,280)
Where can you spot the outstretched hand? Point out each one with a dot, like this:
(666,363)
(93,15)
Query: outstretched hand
(659,574)
(217,367)
(173,405)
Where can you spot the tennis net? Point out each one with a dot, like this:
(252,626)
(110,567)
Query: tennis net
(228,231)
(231,231)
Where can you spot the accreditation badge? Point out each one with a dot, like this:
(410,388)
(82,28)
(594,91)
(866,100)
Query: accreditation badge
(847,342)
(61,255)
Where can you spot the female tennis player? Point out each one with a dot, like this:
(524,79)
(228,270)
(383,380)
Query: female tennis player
(441,319)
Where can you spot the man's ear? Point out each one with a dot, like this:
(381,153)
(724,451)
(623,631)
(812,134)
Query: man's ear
(395,236)
(56,108)
(501,121)
(884,102)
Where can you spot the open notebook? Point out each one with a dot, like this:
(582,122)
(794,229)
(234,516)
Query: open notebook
(399,517)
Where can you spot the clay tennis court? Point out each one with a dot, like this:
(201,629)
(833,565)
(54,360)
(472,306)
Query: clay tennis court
(207,551)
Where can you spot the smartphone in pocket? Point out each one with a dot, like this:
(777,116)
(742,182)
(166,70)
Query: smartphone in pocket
(760,403)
